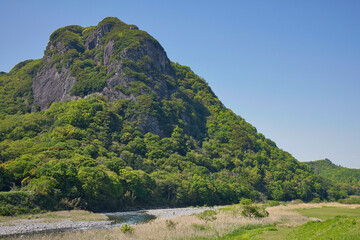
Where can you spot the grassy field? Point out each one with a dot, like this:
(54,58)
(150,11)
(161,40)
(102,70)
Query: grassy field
(335,228)
(294,221)
(326,213)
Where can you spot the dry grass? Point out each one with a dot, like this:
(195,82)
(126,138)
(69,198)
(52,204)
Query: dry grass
(74,215)
(226,222)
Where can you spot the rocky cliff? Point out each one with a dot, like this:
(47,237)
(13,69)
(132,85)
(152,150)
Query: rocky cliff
(121,54)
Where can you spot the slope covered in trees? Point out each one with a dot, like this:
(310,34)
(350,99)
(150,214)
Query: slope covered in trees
(347,179)
(106,121)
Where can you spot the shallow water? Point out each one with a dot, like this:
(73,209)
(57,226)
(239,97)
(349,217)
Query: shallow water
(130,218)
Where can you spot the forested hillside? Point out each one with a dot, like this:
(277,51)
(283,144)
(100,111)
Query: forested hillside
(106,121)
(347,179)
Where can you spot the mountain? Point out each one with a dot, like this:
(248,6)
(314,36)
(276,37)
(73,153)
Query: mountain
(106,121)
(347,178)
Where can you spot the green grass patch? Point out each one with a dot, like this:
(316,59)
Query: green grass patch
(243,232)
(281,233)
(247,232)
(326,213)
(336,228)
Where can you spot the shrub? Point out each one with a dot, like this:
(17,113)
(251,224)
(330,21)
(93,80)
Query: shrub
(254,211)
(170,224)
(127,229)
(207,216)
(274,203)
(7,210)
(245,201)
(17,202)
(316,200)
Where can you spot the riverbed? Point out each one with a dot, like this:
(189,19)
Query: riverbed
(114,219)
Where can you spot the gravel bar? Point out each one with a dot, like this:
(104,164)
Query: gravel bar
(36,227)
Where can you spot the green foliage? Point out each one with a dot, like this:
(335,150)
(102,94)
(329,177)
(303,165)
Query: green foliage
(90,78)
(245,201)
(127,229)
(100,190)
(274,203)
(17,202)
(347,180)
(58,34)
(15,87)
(253,211)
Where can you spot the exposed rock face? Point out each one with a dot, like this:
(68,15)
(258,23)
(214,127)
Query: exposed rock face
(52,84)
(108,51)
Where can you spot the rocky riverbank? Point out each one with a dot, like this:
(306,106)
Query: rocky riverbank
(37,226)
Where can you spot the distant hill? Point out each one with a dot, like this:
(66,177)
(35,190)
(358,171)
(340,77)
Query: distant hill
(349,177)
(106,121)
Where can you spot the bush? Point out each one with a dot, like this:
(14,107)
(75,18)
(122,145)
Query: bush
(254,211)
(274,203)
(207,216)
(316,200)
(246,201)
(170,224)
(127,229)
(7,210)
(17,202)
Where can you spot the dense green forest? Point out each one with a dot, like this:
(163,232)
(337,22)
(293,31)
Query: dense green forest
(346,179)
(134,130)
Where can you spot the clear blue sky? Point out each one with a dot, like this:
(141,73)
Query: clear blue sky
(290,68)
